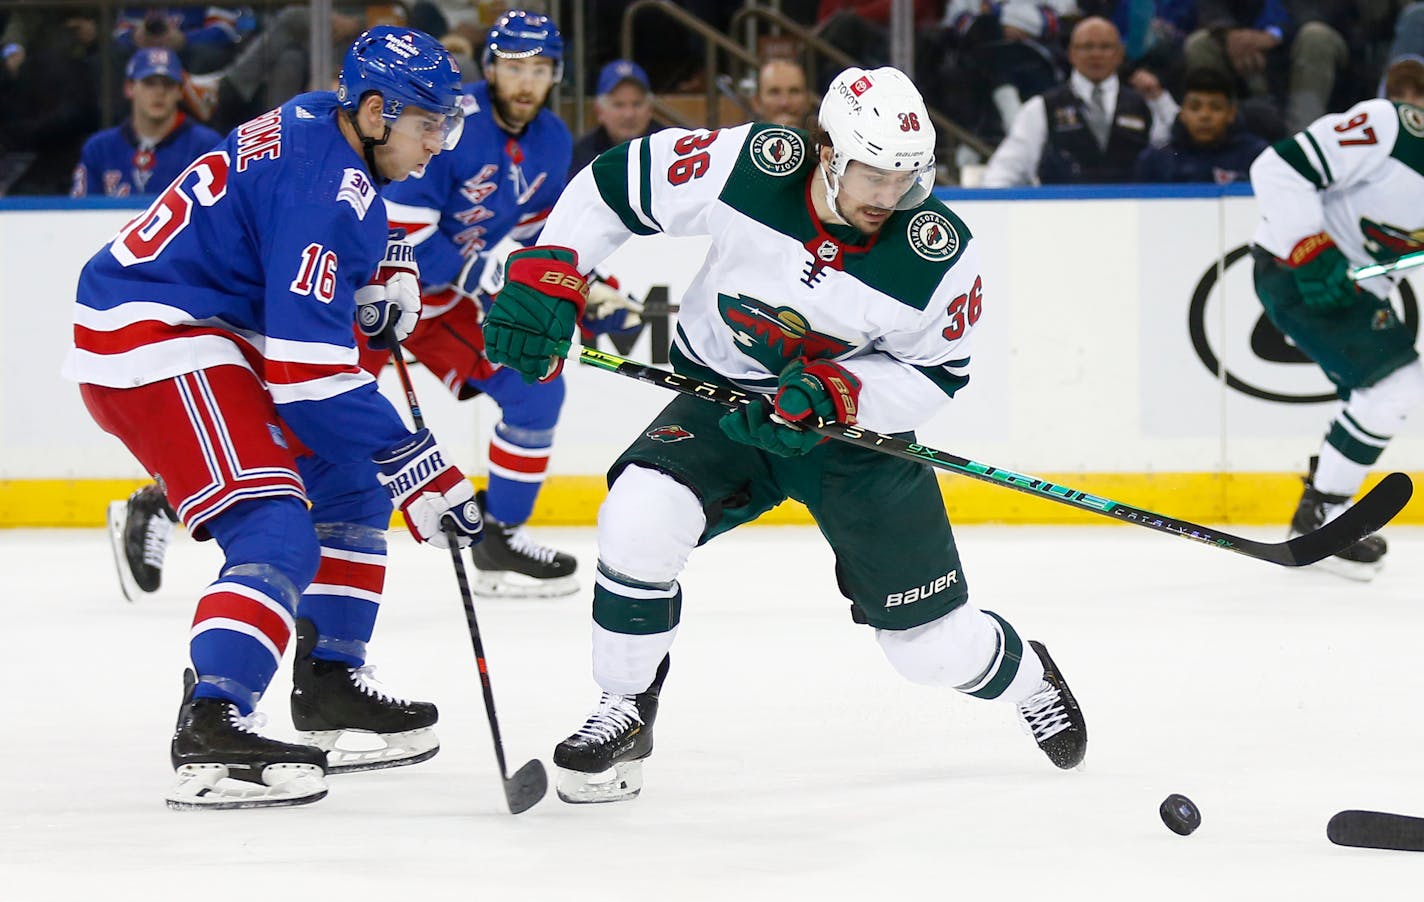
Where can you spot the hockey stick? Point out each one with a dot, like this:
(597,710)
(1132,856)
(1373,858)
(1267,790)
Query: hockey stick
(528,785)
(1371,512)
(1377,830)
(1369,271)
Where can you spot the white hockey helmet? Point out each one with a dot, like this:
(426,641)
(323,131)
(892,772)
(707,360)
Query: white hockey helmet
(878,118)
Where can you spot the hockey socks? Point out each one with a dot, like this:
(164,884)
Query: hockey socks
(518,462)
(343,600)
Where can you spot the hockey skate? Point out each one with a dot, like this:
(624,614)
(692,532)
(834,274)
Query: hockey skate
(603,760)
(509,564)
(221,763)
(336,708)
(1361,561)
(139,530)
(1053,718)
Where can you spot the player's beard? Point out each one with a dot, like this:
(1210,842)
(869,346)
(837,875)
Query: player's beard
(508,114)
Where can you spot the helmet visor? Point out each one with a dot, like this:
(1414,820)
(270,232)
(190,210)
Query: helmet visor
(423,126)
(868,186)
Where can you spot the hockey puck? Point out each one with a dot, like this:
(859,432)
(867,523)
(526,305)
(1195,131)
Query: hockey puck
(1180,814)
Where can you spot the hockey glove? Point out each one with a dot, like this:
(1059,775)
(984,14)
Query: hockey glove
(753,425)
(610,310)
(1319,270)
(542,299)
(430,493)
(393,296)
(811,390)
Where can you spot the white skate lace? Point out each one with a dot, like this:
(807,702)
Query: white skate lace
(1044,714)
(364,679)
(520,543)
(248,723)
(614,714)
(155,539)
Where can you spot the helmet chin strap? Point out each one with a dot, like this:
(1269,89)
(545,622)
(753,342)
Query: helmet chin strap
(833,189)
(369,145)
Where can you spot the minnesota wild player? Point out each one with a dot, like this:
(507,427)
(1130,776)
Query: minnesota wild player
(1348,190)
(835,287)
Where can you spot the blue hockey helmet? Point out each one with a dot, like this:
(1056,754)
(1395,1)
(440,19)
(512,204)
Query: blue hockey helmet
(519,35)
(406,67)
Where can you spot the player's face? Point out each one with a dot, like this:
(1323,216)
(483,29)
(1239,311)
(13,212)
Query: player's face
(154,98)
(625,112)
(416,136)
(868,195)
(1207,115)
(519,88)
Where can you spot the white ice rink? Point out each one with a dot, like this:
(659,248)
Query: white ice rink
(792,763)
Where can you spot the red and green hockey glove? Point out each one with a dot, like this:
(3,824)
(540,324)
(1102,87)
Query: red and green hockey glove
(541,302)
(1319,270)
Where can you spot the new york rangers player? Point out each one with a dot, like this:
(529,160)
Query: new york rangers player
(471,206)
(213,336)
(838,289)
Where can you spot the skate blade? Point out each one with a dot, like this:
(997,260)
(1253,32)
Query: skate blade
(396,750)
(208,787)
(622,781)
(504,584)
(118,514)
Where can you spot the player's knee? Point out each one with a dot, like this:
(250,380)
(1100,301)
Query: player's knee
(1382,407)
(648,525)
(276,533)
(950,651)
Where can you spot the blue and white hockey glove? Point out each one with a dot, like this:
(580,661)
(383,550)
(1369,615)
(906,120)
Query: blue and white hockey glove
(610,310)
(429,491)
(393,295)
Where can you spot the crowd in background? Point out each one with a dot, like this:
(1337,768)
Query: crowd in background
(1066,90)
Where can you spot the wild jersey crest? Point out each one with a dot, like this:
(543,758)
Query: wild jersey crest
(777,151)
(931,236)
(669,434)
(773,336)
(1386,242)
(1412,119)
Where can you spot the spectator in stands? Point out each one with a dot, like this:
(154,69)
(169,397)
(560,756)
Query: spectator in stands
(271,69)
(1404,81)
(1209,141)
(145,152)
(205,38)
(1089,129)
(1258,43)
(624,108)
(781,93)
(49,99)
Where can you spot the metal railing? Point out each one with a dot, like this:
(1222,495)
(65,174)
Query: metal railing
(814,44)
(714,41)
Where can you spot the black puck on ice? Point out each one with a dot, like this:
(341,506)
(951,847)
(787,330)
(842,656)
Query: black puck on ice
(1180,814)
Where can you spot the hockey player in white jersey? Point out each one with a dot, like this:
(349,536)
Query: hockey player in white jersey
(837,288)
(1345,191)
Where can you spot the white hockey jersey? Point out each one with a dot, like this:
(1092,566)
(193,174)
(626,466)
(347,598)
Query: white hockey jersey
(897,309)
(1357,175)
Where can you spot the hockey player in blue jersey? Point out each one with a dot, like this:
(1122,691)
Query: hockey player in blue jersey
(464,214)
(142,154)
(214,337)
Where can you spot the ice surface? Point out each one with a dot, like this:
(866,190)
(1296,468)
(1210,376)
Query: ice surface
(792,762)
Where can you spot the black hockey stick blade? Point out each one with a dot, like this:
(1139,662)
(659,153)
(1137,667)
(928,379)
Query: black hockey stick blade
(1367,515)
(526,787)
(1377,830)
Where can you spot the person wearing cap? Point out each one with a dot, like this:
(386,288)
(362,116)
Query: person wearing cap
(146,151)
(624,107)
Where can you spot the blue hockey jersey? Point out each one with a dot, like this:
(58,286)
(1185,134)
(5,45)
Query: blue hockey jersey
(116,163)
(251,257)
(491,186)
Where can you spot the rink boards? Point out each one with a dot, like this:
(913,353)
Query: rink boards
(1122,352)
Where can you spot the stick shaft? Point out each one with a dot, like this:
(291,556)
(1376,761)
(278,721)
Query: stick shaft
(1370,270)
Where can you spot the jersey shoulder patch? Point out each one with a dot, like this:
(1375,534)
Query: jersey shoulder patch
(916,248)
(776,151)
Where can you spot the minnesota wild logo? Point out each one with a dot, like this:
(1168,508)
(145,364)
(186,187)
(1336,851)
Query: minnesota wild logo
(1386,242)
(669,434)
(774,335)
(777,151)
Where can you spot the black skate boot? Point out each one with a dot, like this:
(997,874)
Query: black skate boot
(1361,561)
(603,760)
(1053,717)
(139,530)
(510,564)
(332,701)
(222,763)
